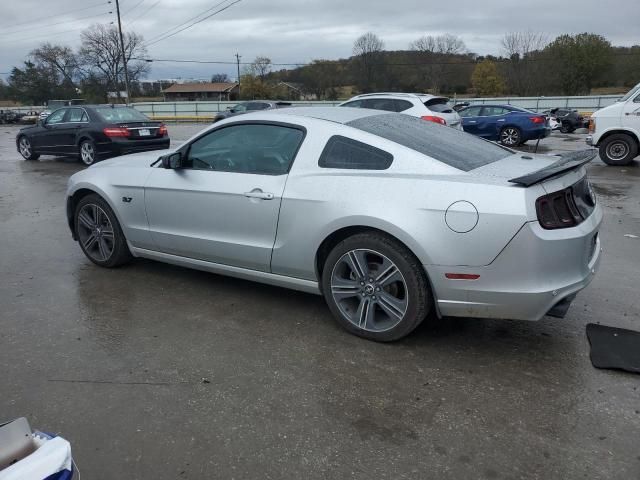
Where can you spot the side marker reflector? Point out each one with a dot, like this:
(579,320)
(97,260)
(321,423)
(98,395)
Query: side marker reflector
(462,276)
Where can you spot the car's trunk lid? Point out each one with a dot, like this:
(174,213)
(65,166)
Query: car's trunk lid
(525,170)
(141,130)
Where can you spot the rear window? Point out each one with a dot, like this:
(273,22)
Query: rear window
(438,105)
(121,114)
(448,145)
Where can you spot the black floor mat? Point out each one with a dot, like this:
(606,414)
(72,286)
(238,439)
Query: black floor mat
(615,348)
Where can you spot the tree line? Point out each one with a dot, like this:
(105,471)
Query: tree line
(529,64)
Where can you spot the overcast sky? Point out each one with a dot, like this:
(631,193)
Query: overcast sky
(291,31)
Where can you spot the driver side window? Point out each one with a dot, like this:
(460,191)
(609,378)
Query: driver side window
(249,148)
(56,117)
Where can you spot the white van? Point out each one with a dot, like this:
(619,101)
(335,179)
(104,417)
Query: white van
(615,129)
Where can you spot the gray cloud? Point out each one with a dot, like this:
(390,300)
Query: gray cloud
(290,31)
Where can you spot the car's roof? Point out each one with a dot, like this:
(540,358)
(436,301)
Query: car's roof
(331,114)
(420,96)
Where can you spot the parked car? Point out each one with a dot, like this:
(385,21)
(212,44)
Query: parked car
(92,132)
(615,129)
(569,120)
(388,216)
(427,107)
(32,116)
(8,116)
(509,125)
(251,106)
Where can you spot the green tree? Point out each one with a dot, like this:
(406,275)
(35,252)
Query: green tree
(578,62)
(486,79)
(33,84)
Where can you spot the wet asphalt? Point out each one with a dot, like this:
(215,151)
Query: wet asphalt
(158,372)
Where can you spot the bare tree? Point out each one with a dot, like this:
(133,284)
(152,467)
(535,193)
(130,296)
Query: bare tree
(367,49)
(446,44)
(101,56)
(59,60)
(260,67)
(220,78)
(520,48)
(437,51)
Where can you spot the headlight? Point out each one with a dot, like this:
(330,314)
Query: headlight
(592,125)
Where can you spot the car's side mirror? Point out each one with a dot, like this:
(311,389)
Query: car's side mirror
(172,161)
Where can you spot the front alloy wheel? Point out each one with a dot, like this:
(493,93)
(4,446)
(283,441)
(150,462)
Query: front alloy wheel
(99,233)
(26,149)
(375,287)
(510,137)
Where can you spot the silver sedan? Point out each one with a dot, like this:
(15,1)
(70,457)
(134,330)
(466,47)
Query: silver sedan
(391,218)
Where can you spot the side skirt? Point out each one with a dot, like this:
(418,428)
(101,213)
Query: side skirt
(307,286)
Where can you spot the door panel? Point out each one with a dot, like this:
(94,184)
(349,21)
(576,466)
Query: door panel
(219,217)
(222,205)
(49,138)
(470,119)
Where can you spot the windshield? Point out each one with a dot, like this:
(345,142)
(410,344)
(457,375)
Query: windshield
(630,93)
(241,107)
(448,145)
(121,114)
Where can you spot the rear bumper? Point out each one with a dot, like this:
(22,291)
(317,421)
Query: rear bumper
(535,272)
(123,146)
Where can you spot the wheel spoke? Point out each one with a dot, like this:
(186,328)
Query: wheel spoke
(366,313)
(89,242)
(85,220)
(103,248)
(389,274)
(358,263)
(341,288)
(107,233)
(393,306)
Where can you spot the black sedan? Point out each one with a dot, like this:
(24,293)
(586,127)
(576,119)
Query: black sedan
(92,132)
(246,107)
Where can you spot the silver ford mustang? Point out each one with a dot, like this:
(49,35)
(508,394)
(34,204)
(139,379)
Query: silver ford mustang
(388,216)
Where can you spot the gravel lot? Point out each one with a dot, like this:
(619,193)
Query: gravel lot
(154,371)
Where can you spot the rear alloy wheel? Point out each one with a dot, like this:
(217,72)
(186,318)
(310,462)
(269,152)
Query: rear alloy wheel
(375,287)
(99,233)
(510,137)
(26,149)
(88,153)
(566,127)
(618,150)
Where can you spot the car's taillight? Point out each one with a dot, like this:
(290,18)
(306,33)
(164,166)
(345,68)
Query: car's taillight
(558,210)
(592,125)
(537,120)
(116,131)
(162,131)
(433,118)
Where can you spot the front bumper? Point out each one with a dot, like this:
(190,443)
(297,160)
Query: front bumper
(534,273)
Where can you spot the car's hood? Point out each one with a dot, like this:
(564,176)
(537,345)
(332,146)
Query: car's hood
(614,110)
(142,160)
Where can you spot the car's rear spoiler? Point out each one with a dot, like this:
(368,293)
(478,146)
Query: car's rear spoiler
(568,161)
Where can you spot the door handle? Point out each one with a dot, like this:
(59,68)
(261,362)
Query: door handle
(472,121)
(257,193)
(502,120)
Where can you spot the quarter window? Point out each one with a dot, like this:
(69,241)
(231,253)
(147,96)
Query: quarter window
(248,148)
(77,115)
(343,152)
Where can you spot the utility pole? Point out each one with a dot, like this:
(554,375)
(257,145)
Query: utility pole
(124,54)
(238,57)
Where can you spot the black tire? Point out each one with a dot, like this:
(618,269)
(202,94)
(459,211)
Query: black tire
(566,127)
(411,287)
(119,253)
(618,149)
(26,149)
(87,152)
(510,136)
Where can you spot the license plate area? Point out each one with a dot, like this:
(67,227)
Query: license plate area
(144,132)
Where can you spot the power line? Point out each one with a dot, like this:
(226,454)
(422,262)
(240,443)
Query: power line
(134,7)
(186,21)
(5,34)
(49,17)
(142,14)
(194,23)
(14,40)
